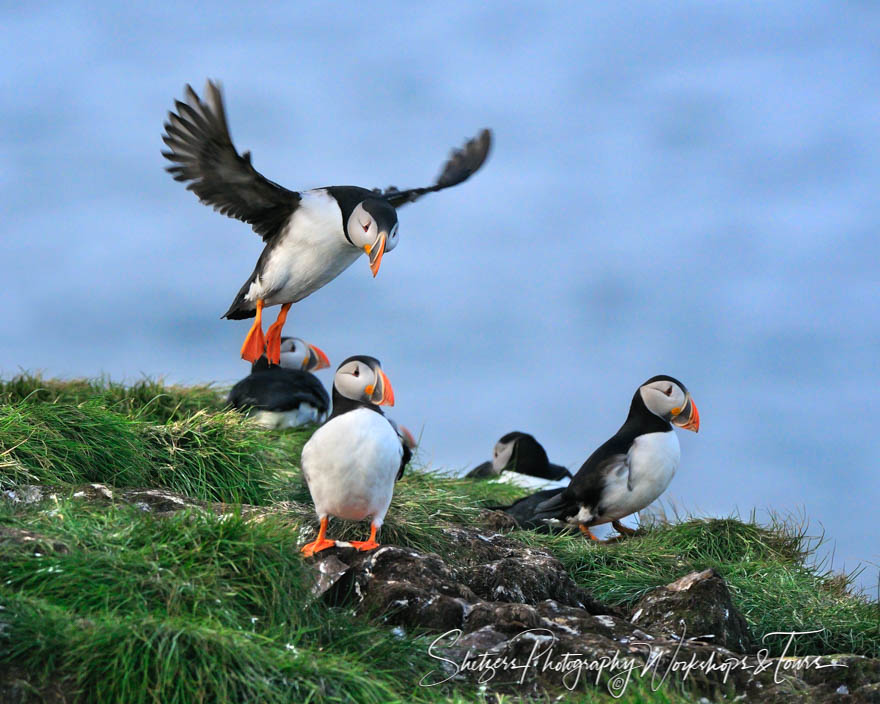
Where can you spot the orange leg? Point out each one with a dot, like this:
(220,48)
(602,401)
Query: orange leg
(320,543)
(273,336)
(254,343)
(366,545)
(622,529)
(586,531)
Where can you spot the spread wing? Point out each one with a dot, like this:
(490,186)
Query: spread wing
(461,165)
(199,144)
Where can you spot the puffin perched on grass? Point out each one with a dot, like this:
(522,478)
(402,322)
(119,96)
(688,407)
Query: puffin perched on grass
(288,394)
(628,471)
(351,462)
(311,236)
(521,453)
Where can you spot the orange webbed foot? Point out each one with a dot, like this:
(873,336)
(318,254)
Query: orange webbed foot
(254,343)
(588,533)
(310,549)
(622,529)
(369,544)
(319,543)
(273,336)
(364,545)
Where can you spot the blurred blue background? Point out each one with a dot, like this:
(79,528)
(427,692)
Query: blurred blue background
(680,188)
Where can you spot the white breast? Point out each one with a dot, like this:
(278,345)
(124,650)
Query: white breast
(350,464)
(652,461)
(305,413)
(312,251)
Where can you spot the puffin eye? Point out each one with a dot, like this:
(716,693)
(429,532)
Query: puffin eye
(357,371)
(367,226)
(668,391)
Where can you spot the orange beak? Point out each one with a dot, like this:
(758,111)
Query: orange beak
(316,360)
(375,252)
(383,394)
(689,418)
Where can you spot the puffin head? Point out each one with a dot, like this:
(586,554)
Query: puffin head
(299,354)
(360,378)
(372,227)
(517,452)
(668,398)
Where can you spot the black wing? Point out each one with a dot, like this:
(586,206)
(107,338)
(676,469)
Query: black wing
(482,471)
(279,389)
(199,144)
(525,511)
(461,165)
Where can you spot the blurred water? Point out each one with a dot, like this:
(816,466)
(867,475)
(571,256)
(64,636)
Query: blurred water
(681,188)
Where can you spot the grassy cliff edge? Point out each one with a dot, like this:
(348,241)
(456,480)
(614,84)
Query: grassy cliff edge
(106,602)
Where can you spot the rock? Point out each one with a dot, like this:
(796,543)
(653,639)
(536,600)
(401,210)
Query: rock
(698,607)
(25,494)
(40,544)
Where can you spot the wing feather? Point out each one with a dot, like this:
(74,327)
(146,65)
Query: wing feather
(460,166)
(199,145)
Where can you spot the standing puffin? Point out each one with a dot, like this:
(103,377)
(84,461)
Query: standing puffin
(285,395)
(632,468)
(352,461)
(521,453)
(311,236)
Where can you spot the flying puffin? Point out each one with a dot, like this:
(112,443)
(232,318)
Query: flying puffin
(285,395)
(311,236)
(521,453)
(633,467)
(352,461)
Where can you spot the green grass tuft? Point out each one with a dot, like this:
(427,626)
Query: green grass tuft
(211,456)
(108,603)
(147,399)
(766,568)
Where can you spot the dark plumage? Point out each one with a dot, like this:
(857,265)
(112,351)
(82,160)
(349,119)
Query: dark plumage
(522,453)
(287,395)
(626,472)
(274,388)
(311,236)
(523,511)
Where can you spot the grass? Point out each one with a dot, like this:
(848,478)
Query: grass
(212,456)
(110,603)
(147,399)
(768,571)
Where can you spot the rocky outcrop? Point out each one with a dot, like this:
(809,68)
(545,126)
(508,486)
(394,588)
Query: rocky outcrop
(510,617)
(697,606)
(513,619)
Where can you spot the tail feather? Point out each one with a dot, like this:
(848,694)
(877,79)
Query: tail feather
(557,507)
(241,308)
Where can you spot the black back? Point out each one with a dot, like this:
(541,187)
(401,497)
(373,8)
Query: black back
(482,471)
(586,487)
(524,511)
(274,388)
(529,457)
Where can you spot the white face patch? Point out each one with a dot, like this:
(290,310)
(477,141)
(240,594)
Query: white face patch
(353,378)
(294,353)
(391,242)
(662,397)
(362,228)
(501,455)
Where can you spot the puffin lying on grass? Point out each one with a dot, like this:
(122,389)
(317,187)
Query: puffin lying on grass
(285,395)
(311,236)
(351,462)
(520,453)
(627,472)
